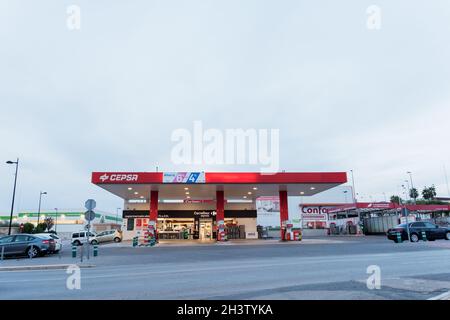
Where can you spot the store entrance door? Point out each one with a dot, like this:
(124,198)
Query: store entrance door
(206,231)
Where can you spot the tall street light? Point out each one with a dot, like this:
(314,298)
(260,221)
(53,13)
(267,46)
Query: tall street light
(354,197)
(409,189)
(353,188)
(406,214)
(14,193)
(412,184)
(56,218)
(39,208)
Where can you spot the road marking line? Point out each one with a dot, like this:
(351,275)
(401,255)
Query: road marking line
(443,296)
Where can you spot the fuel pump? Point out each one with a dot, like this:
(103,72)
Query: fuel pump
(283,230)
(289,233)
(151,233)
(221,231)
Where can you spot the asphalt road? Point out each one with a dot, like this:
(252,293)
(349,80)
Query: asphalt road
(325,269)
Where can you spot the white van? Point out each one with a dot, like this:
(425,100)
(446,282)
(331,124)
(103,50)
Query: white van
(79,238)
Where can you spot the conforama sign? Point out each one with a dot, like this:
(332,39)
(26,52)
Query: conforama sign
(314,213)
(314,210)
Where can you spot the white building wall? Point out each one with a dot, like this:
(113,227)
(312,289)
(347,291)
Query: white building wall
(250,227)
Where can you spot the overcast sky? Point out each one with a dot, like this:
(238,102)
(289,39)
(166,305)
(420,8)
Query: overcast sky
(108,96)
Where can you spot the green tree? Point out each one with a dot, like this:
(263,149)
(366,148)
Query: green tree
(413,193)
(429,193)
(395,199)
(28,227)
(40,228)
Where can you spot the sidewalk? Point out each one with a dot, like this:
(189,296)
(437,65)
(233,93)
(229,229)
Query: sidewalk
(234,242)
(45,263)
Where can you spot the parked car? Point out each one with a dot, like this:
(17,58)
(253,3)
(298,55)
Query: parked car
(26,244)
(58,241)
(432,231)
(109,235)
(81,237)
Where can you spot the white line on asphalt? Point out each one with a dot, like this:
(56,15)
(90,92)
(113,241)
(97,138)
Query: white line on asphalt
(443,296)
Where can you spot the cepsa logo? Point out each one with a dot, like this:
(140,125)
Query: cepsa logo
(118,177)
(314,210)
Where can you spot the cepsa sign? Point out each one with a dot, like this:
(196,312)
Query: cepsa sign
(118,177)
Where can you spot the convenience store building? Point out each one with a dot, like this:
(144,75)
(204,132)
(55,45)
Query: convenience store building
(206,205)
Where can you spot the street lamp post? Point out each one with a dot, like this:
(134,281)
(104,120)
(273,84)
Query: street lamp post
(409,190)
(14,193)
(56,219)
(355,201)
(39,208)
(353,187)
(412,184)
(406,215)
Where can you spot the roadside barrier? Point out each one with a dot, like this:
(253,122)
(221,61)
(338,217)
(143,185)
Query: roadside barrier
(399,237)
(74,251)
(424,236)
(95,250)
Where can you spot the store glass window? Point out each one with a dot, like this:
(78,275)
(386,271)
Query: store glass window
(130,224)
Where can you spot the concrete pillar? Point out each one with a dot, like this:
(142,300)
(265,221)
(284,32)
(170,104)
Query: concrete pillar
(284,214)
(220,215)
(153,207)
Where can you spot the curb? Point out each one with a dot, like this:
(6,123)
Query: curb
(45,267)
(443,296)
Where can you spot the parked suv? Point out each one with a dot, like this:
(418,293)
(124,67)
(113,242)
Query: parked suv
(109,235)
(79,238)
(26,244)
(432,231)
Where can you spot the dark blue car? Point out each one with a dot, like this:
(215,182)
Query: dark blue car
(416,232)
(26,244)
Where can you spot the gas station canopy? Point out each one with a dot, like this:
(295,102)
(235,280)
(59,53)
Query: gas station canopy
(204,185)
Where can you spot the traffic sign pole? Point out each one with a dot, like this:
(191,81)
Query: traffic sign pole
(89,215)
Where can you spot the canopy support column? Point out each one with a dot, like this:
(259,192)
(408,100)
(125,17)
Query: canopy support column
(284,214)
(220,215)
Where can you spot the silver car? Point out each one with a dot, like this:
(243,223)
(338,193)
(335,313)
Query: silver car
(109,235)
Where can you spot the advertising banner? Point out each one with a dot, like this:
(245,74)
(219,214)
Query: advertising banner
(268,209)
(184,177)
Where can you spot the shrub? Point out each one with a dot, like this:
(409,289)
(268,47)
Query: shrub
(40,228)
(28,227)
